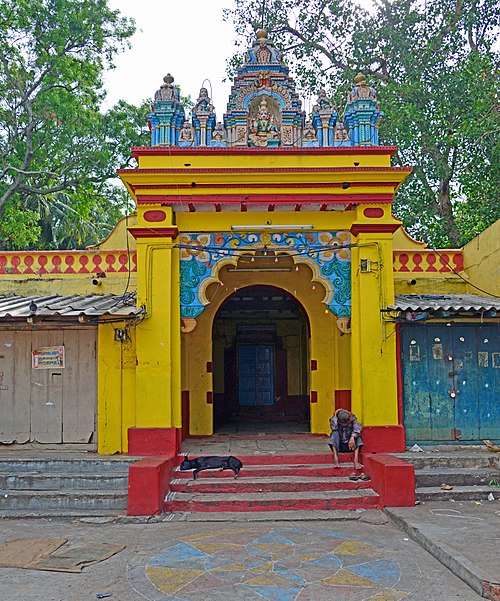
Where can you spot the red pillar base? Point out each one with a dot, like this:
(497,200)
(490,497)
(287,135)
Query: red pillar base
(383,439)
(148,483)
(154,441)
(392,478)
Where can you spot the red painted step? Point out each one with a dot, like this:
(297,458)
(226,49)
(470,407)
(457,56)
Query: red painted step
(272,483)
(312,501)
(290,459)
(265,471)
(251,485)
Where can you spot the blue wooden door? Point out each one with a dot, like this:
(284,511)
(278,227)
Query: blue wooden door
(256,374)
(488,381)
(451,381)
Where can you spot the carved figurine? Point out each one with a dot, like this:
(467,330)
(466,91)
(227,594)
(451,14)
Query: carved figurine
(187,133)
(309,133)
(341,134)
(361,91)
(167,92)
(218,134)
(203,104)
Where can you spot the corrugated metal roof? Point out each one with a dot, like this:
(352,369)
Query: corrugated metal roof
(445,302)
(92,305)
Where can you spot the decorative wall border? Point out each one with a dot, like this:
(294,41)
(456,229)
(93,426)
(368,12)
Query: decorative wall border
(52,263)
(326,253)
(427,261)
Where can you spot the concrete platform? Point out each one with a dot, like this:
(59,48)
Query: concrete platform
(462,536)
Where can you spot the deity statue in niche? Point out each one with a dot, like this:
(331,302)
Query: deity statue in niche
(263,129)
(186,133)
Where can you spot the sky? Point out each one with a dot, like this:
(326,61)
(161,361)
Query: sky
(187,39)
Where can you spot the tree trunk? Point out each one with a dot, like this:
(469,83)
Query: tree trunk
(446,212)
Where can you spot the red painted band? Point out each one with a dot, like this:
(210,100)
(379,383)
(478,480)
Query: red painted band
(374,228)
(147,232)
(263,198)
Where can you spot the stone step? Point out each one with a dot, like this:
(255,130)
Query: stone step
(462,476)
(36,514)
(59,500)
(477,460)
(278,484)
(272,501)
(253,471)
(116,481)
(459,493)
(372,516)
(65,465)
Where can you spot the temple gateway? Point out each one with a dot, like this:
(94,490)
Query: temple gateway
(262,283)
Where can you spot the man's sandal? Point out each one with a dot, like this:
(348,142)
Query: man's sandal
(364,477)
(353,476)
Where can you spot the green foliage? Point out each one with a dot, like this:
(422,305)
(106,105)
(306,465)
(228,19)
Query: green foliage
(435,68)
(58,152)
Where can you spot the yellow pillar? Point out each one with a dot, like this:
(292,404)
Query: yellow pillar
(373,340)
(158,334)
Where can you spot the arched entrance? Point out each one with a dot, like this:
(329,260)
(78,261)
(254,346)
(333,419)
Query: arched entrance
(260,343)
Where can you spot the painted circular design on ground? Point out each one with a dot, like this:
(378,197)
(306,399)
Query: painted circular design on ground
(274,564)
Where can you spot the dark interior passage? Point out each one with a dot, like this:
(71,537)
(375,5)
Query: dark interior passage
(260,362)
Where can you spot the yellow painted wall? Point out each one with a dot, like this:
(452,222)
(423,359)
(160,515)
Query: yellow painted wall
(482,262)
(116,388)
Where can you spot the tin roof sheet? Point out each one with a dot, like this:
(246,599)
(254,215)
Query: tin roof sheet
(92,305)
(445,302)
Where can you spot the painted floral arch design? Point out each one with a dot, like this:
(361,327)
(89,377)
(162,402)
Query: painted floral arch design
(202,255)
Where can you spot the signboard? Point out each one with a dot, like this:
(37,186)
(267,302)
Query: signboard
(48,357)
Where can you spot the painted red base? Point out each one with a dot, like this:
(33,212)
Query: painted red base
(384,439)
(154,441)
(148,483)
(392,478)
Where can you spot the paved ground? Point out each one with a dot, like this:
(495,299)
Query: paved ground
(210,561)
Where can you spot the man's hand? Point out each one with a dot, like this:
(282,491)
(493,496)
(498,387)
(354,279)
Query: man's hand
(352,443)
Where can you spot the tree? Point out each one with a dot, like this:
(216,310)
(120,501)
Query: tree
(58,152)
(436,72)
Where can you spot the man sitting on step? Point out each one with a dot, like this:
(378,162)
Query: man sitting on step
(345,436)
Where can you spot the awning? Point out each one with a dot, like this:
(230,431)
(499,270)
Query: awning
(90,305)
(445,302)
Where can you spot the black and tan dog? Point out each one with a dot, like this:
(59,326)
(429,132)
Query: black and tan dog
(211,463)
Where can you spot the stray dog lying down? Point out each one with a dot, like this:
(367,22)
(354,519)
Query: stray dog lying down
(211,463)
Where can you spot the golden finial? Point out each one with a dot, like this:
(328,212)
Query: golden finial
(168,79)
(359,78)
(261,34)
